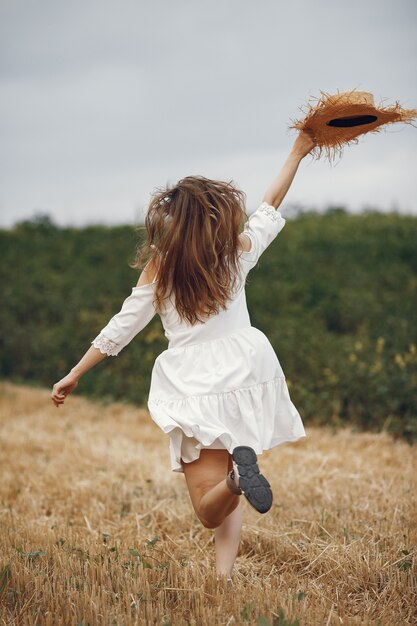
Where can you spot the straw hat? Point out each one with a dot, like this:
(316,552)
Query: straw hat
(336,120)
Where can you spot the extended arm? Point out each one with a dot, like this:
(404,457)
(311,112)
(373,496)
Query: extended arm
(136,312)
(67,384)
(277,190)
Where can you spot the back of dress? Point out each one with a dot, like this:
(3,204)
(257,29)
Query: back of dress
(219,384)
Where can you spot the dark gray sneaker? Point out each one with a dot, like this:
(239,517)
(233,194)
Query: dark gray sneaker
(253,484)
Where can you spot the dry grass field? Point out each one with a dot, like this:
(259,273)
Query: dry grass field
(96,529)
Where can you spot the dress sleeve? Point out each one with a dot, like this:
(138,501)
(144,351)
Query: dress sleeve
(262,227)
(137,311)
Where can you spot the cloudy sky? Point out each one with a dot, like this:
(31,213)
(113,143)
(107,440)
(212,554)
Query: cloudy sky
(104,101)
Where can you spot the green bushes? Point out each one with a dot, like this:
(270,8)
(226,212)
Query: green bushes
(336,294)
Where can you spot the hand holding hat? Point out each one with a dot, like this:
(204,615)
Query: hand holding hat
(304,143)
(336,120)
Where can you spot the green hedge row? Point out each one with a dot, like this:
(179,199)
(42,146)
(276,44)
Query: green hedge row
(335,293)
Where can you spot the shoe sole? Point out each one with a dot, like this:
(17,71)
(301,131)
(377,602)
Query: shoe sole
(253,484)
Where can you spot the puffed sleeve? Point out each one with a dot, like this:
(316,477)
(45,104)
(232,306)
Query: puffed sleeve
(137,311)
(262,227)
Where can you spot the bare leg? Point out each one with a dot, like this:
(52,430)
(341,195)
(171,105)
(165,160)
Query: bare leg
(206,480)
(218,503)
(227,539)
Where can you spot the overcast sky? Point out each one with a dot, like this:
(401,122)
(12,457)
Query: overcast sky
(103,101)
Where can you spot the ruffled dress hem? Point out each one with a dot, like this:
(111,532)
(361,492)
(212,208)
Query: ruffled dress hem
(227,419)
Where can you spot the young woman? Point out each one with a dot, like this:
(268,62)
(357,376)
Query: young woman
(218,390)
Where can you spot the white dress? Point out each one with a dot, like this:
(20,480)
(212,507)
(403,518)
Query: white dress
(219,384)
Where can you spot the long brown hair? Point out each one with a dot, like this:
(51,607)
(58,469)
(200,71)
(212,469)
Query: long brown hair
(192,238)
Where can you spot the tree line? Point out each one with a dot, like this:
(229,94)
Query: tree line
(335,293)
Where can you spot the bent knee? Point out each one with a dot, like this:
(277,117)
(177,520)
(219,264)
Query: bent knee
(208,523)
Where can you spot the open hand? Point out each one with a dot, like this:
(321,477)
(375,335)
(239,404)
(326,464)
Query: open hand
(62,388)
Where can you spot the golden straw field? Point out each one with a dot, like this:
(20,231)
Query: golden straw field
(96,529)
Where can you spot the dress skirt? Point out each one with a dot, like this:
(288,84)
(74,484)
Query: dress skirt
(222,393)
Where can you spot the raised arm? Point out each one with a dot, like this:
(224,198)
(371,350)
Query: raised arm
(277,190)
(266,221)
